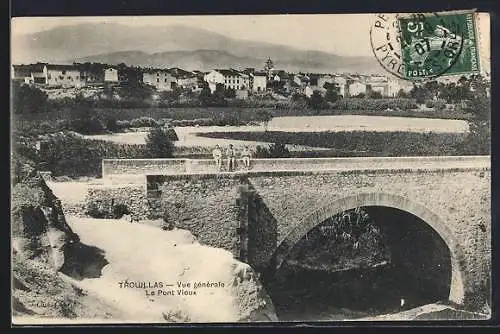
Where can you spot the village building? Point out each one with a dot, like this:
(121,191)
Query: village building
(49,75)
(184,79)
(355,88)
(111,75)
(229,78)
(64,75)
(22,73)
(160,79)
(259,82)
(338,81)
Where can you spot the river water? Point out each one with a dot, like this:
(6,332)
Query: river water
(302,294)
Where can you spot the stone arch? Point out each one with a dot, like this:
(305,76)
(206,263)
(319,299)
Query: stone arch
(319,215)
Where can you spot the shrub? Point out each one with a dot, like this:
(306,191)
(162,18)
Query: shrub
(143,122)
(172,135)
(85,120)
(159,144)
(123,124)
(357,104)
(111,123)
(28,99)
(95,211)
(73,156)
(92,125)
(275,150)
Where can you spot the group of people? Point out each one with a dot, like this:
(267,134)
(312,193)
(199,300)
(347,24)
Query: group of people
(230,156)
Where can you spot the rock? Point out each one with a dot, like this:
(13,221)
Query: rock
(39,228)
(253,302)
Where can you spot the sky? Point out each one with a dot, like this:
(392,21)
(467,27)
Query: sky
(342,34)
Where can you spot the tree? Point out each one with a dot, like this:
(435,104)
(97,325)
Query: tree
(28,100)
(85,120)
(316,101)
(431,89)
(159,144)
(229,93)
(418,93)
(170,96)
(479,86)
(205,96)
(402,94)
(218,96)
(299,100)
(268,67)
(265,117)
(332,92)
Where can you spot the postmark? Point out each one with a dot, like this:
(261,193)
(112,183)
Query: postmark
(425,46)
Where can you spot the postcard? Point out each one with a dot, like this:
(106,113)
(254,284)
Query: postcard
(251,168)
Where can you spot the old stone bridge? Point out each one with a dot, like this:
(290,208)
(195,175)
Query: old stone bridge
(261,213)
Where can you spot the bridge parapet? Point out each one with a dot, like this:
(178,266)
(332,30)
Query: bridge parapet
(116,168)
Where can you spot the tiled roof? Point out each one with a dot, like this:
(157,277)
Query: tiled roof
(229,73)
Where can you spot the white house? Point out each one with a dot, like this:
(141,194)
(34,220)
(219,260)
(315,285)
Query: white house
(213,78)
(395,85)
(229,78)
(259,82)
(111,75)
(357,88)
(161,79)
(64,75)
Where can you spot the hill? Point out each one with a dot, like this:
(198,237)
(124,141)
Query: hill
(182,46)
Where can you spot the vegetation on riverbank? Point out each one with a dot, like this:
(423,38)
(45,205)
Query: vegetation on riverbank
(371,143)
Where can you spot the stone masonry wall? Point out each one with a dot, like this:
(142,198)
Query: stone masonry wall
(461,199)
(141,166)
(206,206)
(133,196)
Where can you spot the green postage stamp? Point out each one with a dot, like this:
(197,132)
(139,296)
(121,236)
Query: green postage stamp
(423,46)
(439,44)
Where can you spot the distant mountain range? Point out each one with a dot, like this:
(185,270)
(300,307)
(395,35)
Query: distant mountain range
(173,46)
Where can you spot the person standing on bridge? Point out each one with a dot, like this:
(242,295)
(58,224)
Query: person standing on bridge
(217,154)
(245,156)
(230,153)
